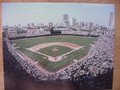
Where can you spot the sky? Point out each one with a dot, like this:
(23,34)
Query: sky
(25,13)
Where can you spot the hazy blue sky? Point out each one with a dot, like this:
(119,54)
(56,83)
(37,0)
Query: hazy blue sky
(24,13)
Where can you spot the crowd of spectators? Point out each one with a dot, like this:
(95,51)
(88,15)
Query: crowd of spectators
(24,64)
(99,62)
(37,32)
(72,32)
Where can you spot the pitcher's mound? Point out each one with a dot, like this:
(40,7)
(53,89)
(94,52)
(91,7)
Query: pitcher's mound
(55,49)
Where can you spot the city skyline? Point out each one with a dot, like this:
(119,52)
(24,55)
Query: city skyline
(25,13)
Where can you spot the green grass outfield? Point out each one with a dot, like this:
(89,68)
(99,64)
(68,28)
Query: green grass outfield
(54,66)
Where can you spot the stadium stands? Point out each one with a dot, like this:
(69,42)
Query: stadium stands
(100,61)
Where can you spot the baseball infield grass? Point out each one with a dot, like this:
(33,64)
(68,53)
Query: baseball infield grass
(51,52)
(54,66)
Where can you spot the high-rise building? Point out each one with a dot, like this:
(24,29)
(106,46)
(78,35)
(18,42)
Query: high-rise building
(66,19)
(32,24)
(80,24)
(28,26)
(111,19)
(50,24)
(74,22)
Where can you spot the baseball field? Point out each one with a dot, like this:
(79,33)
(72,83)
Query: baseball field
(54,52)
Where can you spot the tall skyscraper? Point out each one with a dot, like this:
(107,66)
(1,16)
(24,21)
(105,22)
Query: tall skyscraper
(32,24)
(74,22)
(66,19)
(111,19)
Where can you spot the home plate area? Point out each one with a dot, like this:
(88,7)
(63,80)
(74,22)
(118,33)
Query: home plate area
(55,51)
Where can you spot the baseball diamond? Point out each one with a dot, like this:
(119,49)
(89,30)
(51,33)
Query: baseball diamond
(55,52)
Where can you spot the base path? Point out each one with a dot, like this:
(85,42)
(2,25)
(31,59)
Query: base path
(44,45)
(35,49)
